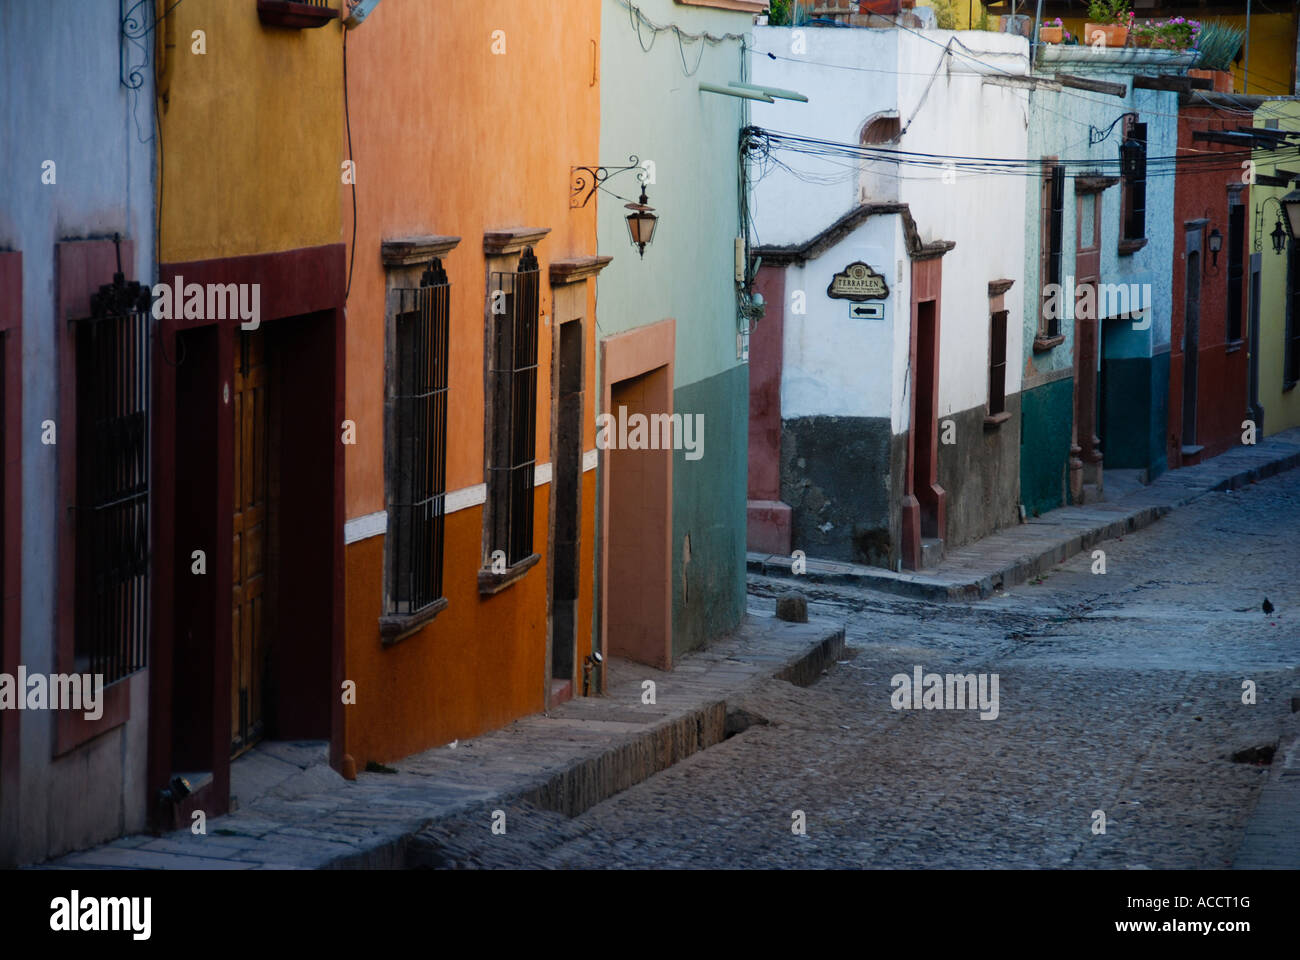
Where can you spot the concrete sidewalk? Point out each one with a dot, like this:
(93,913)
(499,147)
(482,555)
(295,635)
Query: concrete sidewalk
(1022,552)
(580,753)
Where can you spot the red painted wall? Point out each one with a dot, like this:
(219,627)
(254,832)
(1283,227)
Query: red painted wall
(765,359)
(1201,191)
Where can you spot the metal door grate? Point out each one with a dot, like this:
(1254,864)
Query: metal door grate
(112,503)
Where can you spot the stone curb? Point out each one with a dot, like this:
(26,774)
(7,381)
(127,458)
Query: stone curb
(587,781)
(1170,491)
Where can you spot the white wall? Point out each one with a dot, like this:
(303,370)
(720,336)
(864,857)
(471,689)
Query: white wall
(949,105)
(839,366)
(63,101)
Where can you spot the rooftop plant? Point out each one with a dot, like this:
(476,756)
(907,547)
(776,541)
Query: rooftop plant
(1103,12)
(1219,45)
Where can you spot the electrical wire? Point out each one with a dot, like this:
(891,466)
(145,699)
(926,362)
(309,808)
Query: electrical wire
(347,119)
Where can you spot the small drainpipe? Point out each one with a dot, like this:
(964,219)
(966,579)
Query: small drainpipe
(1033,41)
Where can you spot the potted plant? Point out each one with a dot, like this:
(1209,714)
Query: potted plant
(1142,34)
(1111,18)
(1178,33)
(1052,32)
(1217,47)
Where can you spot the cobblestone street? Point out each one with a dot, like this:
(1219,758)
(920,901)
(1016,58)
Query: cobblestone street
(1119,693)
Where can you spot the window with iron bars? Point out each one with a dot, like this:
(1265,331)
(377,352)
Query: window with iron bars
(112,482)
(1053,206)
(417,445)
(997,401)
(515,303)
(1135,189)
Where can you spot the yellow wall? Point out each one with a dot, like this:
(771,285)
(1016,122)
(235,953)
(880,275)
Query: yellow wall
(1281,409)
(1272,49)
(250,147)
(967,12)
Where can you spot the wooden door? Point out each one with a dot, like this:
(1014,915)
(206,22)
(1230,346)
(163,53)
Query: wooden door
(251,495)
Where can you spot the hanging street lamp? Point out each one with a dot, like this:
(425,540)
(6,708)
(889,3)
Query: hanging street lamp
(641,222)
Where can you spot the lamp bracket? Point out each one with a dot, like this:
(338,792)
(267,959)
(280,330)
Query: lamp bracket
(585,181)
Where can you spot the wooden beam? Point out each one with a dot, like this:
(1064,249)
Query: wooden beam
(1096,86)
(1224,136)
(1176,84)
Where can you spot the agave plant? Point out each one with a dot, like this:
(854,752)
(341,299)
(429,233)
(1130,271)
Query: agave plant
(1218,45)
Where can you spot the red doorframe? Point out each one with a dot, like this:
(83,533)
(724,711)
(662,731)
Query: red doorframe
(11,526)
(302,296)
(924,502)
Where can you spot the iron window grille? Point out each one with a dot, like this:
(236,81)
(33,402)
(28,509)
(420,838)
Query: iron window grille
(998,362)
(1053,222)
(515,302)
(1135,220)
(417,420)
(113,373)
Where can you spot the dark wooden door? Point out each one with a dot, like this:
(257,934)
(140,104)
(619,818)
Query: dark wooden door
(1191,345)
(251,495)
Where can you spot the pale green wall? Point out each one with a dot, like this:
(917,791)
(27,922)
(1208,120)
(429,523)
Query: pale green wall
(651,108)
(1281,408)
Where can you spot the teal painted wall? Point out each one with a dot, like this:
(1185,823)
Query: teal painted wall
(1136,409)
(1046,415)
(709,582)
(651,108)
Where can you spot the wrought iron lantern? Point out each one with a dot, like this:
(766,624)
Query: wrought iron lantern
(641,222)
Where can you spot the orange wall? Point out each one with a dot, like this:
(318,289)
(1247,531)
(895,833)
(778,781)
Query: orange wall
(450,138)
(478,666)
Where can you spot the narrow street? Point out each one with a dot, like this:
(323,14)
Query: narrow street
(1119,692)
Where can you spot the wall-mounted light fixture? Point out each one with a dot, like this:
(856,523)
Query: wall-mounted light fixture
(1216,244)
(1132,152)
(1280,233)
(1291,212)
(641,222)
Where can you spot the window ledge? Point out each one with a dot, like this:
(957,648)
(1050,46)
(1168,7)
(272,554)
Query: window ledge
(1234,345)
(72,729)
(993,421)
(1047,343)
(1131,246)
(295,16)
(490,583)
(394,628)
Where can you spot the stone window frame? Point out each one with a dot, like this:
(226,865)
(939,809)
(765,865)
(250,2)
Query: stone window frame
(404,260)
(502,250)
(994,418)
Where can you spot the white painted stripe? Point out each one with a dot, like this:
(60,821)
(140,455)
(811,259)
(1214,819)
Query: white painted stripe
(589,461)
(374,524)
(466,497)
(363,528)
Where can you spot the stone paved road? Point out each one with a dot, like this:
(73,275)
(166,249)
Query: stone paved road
(1119,692)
